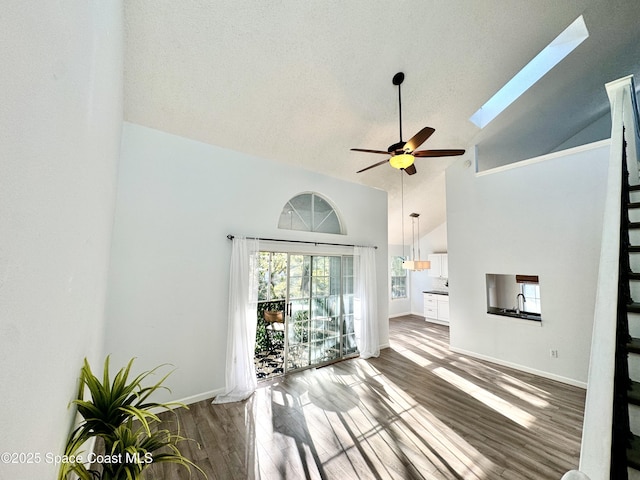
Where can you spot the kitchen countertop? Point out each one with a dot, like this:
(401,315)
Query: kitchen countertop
(436,292)
(507,312)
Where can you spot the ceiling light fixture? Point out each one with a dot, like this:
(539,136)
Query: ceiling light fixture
(403,154)
(401,161)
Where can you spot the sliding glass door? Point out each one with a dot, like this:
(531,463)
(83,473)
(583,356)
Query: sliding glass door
(318,310)
(297,318)
(348,334)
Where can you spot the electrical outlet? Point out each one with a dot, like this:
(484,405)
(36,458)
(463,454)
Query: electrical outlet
(554,353)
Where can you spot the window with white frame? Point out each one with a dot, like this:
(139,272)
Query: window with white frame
(398,278)
(531,292)
(310,212)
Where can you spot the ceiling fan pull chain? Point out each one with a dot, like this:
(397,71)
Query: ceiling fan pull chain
(419,255)
(402,210)
(413,238)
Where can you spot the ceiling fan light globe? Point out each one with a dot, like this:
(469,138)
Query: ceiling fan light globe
(401,161)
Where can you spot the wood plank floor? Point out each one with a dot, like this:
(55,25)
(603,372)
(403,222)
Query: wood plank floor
(418,411)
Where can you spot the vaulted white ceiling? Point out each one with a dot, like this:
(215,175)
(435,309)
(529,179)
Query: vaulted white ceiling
(303,82)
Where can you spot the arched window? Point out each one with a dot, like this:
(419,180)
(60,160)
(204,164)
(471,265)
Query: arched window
(310,212)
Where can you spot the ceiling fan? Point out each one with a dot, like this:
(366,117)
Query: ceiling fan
(404,153)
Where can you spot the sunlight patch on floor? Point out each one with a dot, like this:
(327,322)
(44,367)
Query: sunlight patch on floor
(415,358)
(492,401)
(412,433)
(505,377)
(531,399)
(432,351)
(378,429)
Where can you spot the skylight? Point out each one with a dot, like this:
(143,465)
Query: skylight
(533,71)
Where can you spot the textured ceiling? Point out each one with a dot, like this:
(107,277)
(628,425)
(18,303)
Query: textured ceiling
(303,82)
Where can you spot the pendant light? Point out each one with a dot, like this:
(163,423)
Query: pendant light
(415,263)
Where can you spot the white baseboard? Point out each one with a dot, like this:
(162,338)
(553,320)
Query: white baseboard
(201,396)
(407,314)
(523,368)
(189,400)
(439,322)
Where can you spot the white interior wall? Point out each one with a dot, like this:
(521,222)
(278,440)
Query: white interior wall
(61,97)
(534,217)
(177,201)
(597,130)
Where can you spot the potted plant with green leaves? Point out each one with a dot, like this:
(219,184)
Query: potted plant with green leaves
(120,416)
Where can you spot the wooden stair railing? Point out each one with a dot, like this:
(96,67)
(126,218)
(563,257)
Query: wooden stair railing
(612,393)
(621,432)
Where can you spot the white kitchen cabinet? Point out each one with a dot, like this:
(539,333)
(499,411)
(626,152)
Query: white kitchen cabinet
(444,266)
(439,265)
(436,307)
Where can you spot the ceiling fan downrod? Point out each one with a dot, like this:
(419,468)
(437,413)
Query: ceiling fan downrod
(398,78)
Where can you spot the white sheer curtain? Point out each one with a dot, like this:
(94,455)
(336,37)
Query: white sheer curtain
(241,333)
(366,302)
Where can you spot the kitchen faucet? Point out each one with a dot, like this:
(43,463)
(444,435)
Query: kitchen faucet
(518,302)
